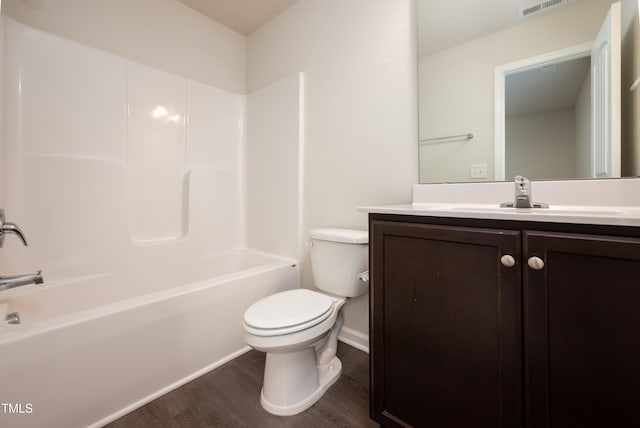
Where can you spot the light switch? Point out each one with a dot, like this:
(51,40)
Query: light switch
(478,170)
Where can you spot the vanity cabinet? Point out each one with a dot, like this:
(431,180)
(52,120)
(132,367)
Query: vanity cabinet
(482,323)
(582,330)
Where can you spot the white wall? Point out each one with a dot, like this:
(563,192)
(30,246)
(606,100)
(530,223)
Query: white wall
(541,145)
(273,161)
(456,85)
(359,62)
(164,34)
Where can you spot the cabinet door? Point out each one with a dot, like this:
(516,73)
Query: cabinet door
(582,331)
(445,322)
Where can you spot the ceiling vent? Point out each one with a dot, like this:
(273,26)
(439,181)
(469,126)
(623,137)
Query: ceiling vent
(540,7)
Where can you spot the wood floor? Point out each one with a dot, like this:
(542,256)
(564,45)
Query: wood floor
(229,396)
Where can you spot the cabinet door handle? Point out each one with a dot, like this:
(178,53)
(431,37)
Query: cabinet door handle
(535,263)
(507,260)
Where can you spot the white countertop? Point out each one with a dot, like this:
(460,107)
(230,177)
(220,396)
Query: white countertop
(604,215)
(607,202)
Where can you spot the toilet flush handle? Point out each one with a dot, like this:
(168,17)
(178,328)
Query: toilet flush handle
(364,276)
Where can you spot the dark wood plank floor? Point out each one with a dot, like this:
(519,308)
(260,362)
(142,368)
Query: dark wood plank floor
(229,396)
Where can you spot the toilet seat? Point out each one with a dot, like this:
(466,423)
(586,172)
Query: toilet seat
(287,312)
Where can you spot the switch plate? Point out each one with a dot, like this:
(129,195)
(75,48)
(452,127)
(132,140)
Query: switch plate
(478,170)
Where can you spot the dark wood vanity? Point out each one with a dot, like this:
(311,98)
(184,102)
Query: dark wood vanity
(500,323)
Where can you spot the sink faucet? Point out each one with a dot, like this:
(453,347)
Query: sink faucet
(7,282)
(523,197)
(523,192)
(12,281)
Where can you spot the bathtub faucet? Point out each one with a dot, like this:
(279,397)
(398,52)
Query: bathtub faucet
(7,282)
(9,228)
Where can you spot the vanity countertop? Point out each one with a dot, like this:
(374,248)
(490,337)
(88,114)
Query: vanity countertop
(613,202)
(603,215)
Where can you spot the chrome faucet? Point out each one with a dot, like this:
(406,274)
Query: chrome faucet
(523,197)
(12,281)
(9,228)
(7,282)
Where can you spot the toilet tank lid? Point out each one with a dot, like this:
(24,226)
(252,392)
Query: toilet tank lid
(350,236)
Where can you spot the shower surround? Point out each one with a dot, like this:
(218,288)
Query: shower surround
(135,188)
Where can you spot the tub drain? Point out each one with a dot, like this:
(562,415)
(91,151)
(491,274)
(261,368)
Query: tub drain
(12,318)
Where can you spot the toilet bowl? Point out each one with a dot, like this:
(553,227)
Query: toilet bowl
(298,329)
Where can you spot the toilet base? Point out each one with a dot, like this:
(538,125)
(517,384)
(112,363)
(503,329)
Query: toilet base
(327,374)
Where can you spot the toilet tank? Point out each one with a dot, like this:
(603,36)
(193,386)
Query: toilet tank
(337,257)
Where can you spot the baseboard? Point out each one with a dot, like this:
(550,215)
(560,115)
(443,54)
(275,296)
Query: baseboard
(149,398)
(354,338)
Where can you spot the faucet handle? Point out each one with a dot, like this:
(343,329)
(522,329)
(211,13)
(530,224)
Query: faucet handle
(9,228)
(521,183)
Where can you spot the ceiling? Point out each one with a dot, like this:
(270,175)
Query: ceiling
(242,16)
(441,23)
(446,23)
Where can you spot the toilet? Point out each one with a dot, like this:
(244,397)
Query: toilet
(298,329)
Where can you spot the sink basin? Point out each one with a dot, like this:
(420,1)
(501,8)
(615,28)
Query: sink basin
(582,211)
(547,211)
(557,210)
(619,215)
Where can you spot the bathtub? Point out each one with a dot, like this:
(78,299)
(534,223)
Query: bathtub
(91,349)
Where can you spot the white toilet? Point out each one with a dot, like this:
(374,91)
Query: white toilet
(298,329)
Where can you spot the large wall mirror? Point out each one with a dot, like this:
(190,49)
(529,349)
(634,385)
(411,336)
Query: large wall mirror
(512,87)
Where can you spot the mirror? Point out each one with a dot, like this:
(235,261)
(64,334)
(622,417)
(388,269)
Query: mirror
(546,121)
(463,115)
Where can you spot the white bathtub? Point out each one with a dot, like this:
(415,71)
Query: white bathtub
(90,350)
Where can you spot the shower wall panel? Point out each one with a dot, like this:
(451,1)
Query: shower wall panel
(109,163)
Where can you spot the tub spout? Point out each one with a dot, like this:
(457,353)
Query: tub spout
(7,282)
